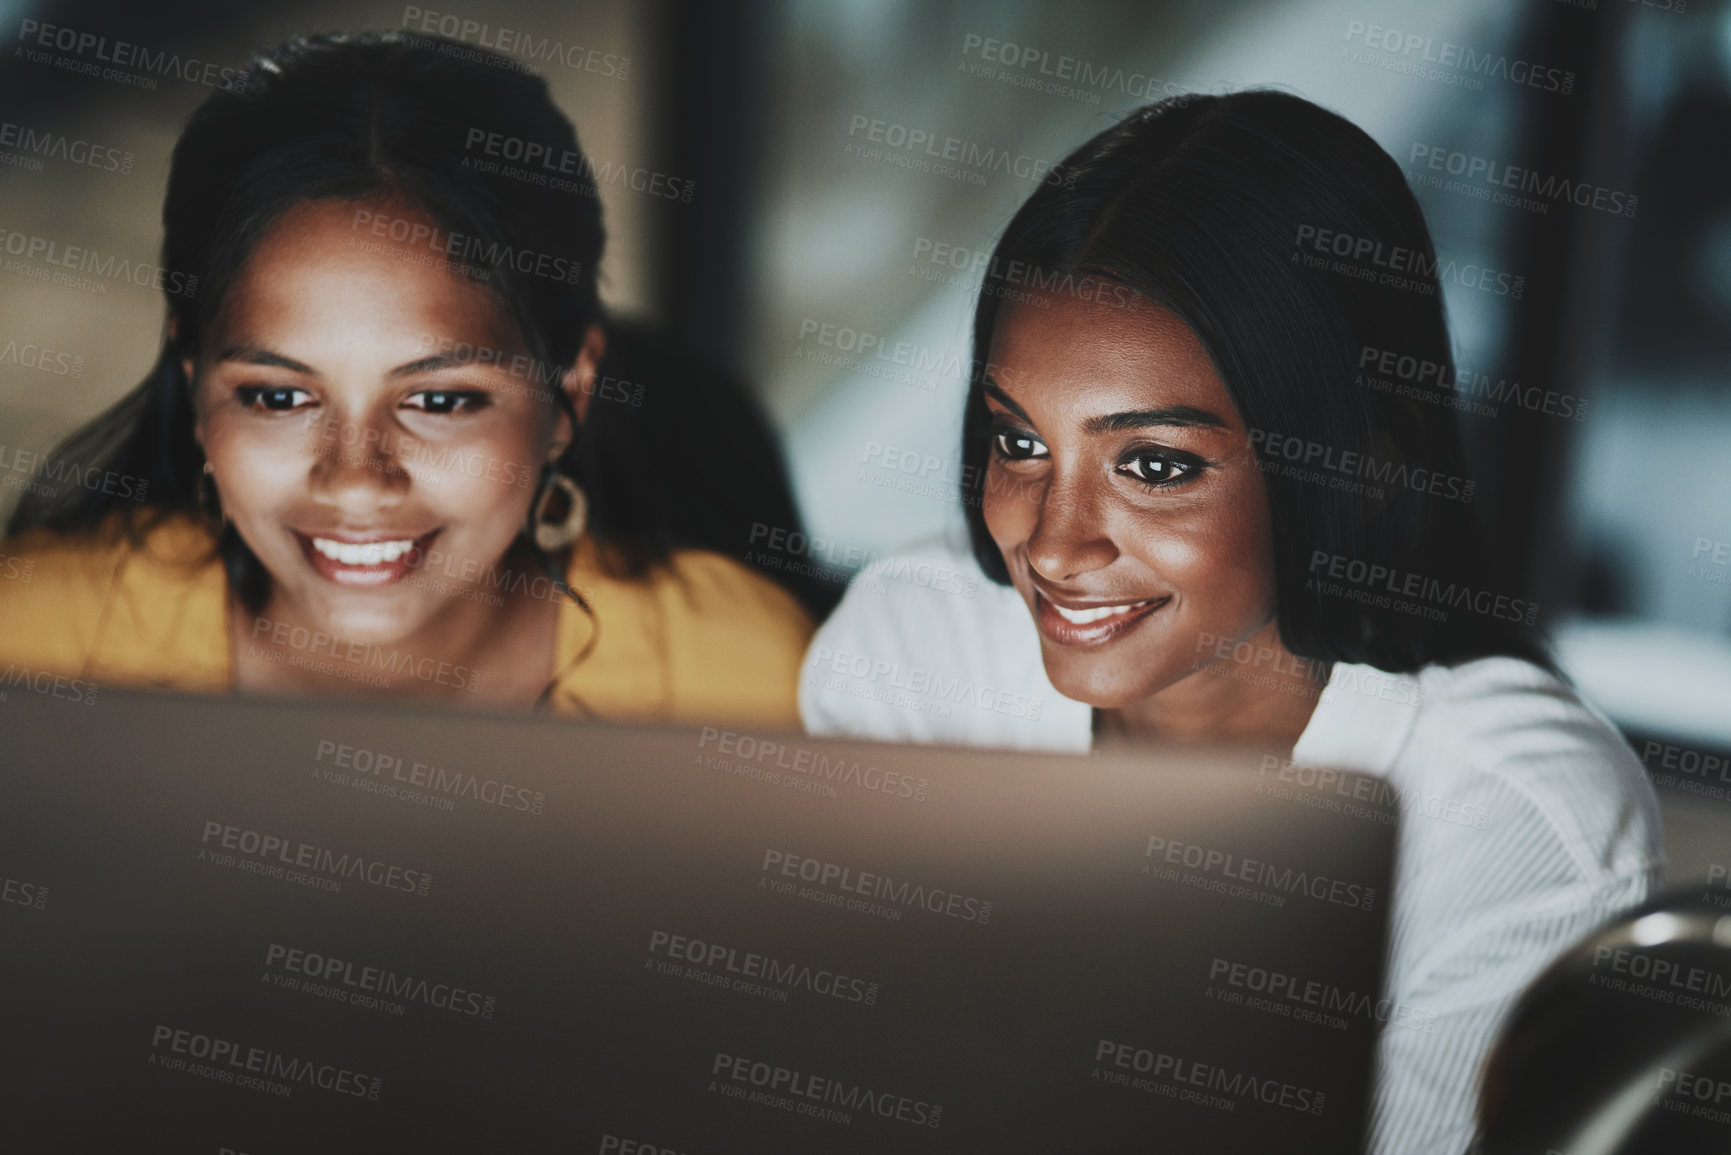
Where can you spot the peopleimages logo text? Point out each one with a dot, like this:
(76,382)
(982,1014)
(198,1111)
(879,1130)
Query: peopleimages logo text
(275,848)
(515,43)
(1275,447)
(229,1061)
(923,682)
(76,42)
(383,981)
(1523,180)
(837,1093)
(751,965)
(1071,69)
(1416,376)
(1251,870)
(59,146)
(1429,50)
(1423,587)
(904,892)
(462,247)
(80,259)
(1233,1085)
(1403,267)
(930,144)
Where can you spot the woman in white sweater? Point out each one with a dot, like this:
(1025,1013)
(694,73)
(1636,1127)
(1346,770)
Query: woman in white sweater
(1214,489)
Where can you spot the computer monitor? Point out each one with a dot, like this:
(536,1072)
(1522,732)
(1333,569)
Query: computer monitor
(268,927)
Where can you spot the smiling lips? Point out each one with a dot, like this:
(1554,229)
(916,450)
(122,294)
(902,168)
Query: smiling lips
(366,564)
(1090,625)
(371,553)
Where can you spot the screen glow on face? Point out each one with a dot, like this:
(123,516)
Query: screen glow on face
(1122,493)
(348,451)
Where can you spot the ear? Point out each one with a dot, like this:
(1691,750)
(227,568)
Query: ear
(187,365)
(579,385)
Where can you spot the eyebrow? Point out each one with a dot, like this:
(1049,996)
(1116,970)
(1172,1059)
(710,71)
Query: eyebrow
(429,364)
(1180,416)
(256,355)
(996,393)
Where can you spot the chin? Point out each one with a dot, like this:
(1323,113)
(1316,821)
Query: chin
(1097,688)
(374,624)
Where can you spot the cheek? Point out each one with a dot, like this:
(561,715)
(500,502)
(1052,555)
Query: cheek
(1223,560)
(490,493)
(253,464)
(490,481)
(1201,557)
(1010,508)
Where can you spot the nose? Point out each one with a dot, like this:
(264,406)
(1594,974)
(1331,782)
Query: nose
(1070,537)
(355,467)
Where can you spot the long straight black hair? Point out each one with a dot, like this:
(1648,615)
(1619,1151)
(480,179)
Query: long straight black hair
(370,114)
(1209,206)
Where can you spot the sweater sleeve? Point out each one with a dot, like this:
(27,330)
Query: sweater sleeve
(924,648)
(1527,823)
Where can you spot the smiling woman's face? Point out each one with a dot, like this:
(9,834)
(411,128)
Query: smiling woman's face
(1123,495)
(349,448)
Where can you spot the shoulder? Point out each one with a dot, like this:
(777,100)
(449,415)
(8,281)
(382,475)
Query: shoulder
(730,596)
(733,639)
(163,535)
(63,595)
(1526,821)
(52,590)
(77,557)
(847,683)
(1520,717)
(930,591)
(1525,742)
(924,647)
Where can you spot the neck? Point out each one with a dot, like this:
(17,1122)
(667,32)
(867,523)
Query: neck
(500,652)
(1266,694)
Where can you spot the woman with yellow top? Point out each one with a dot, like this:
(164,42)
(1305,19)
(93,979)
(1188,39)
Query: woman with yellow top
(386,448)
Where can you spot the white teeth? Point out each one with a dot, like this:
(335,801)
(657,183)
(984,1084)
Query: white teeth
(372,553)
(1098,613)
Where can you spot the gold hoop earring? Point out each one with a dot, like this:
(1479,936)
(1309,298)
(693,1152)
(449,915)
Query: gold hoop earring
(560,512)
(209,500)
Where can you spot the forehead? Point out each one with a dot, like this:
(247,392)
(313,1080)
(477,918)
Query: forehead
(1110,354)
(321,278)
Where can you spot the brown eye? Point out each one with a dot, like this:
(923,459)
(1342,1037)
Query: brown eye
(1014,445)
(276,398)
(443,402)
(1159,468)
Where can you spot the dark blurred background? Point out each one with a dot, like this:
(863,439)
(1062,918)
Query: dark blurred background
(799,248)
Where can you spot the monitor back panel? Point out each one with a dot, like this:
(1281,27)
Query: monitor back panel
(272,928)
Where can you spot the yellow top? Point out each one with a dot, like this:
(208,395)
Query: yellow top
(701,639)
